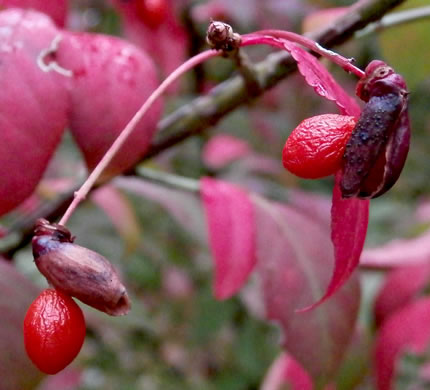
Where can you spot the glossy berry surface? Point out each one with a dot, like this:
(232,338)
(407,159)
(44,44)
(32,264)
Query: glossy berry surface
(316,146)
(54,331)
(152,12)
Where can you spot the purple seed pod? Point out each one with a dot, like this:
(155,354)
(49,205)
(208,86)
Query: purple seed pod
(78,271)
(379,144)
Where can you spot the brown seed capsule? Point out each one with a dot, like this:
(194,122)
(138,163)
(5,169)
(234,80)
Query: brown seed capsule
(78,271)
(220,36)
(377,150)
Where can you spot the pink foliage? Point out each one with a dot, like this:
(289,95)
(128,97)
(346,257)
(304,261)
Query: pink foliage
(294,262)
(224,149)
(231,226)
(111,80)
(398,252)
(407,329)
(17,292)
(318,77)
(349,220)
(285,370)
(56,9)
(34,104)
(401,286)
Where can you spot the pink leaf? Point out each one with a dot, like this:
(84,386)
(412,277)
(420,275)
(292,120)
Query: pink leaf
(317,76)
(401,286)
(349,220)
(224,149)
(399,252)
(16,295)
(314,205)
(294,262)
(33,101)
(56,9)
(231,225)
(111,80)
(407,328)
(285,370)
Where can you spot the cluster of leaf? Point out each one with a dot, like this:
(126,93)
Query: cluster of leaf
(259,224)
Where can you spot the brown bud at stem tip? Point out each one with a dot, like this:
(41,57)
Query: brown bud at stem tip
(78,271)
(220,36)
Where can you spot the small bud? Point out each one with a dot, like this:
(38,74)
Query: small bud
(78,271)
(220,36)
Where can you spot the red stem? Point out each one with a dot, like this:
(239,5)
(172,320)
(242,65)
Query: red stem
(81,194)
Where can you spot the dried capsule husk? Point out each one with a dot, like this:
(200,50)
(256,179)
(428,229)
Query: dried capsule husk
(377,150)
(220,36)
(78,271)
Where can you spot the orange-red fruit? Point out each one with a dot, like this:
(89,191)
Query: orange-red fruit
(152,12)
(316,146)
(54,331)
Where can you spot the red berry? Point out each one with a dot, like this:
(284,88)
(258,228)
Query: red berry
(54,331)
(152,12)
(316,146)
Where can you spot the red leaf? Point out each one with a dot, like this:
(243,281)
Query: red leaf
(401,286)
(285,370)
(16,295)
(224,149)
(399,252)
(33,102)
(56,9)
(111,80)
(349,220)
(317,76)
(294,262)
(407,328)
(231,225)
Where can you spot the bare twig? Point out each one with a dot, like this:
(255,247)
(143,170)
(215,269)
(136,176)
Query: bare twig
(396,19)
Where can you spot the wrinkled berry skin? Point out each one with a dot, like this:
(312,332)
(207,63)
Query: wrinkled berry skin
(316,146)
(377,150)
(54,331)
(78,271)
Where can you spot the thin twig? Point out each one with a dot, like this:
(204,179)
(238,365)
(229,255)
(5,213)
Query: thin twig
(169,179)
(395,19)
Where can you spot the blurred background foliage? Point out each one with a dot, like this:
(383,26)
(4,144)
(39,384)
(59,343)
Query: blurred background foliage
(177,335)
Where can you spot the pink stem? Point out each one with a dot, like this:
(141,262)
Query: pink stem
(81,194)
(266,37)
